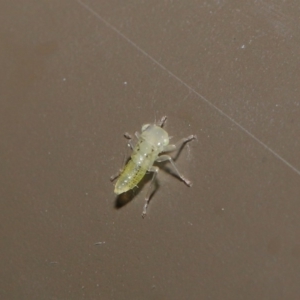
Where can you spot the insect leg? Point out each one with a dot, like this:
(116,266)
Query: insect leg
(115,176)
(147,199)
(169,158)
(179,144)
(129,137)
(162,121)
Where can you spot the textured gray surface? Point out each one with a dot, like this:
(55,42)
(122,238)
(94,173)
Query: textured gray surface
(75,75)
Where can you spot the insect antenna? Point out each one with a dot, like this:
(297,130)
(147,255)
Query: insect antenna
(162,121)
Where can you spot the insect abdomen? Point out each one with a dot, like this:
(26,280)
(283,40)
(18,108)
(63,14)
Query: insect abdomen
(130,177)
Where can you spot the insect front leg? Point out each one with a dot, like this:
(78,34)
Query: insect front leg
(147,199)
(169,158)
(179,144)
(129,137)
(137,135)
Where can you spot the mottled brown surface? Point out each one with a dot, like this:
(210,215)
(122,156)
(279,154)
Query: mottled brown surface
(75,75)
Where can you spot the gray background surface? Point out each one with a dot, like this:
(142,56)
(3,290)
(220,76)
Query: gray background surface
(75,75)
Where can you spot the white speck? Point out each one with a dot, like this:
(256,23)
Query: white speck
(125,82)
(223,208)
(243,46)
(99,243)
(64,79)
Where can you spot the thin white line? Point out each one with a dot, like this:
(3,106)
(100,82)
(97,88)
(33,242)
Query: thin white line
(187,86)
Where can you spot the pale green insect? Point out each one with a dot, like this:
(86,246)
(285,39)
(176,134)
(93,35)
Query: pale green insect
(151,142)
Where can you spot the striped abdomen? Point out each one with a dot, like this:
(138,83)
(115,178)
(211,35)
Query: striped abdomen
(141,160)
(130,177)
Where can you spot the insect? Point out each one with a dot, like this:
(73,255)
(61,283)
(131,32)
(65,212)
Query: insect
(153,141)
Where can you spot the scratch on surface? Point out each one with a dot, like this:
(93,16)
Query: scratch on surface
(188,87)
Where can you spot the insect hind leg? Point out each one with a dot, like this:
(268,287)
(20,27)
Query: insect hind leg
(169,158)
(147,199)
